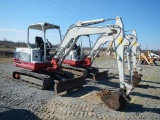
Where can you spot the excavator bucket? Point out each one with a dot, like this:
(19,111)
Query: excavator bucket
(114,100)
(136,78)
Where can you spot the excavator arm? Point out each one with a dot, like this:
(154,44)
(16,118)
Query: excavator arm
(134,46)
(133,49)
(103,39)
(77,30)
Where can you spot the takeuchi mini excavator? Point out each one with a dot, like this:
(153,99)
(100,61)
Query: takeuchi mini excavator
(76,58)
(36,63)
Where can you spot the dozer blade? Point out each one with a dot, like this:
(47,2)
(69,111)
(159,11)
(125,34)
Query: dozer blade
(69,84)
(77,81)
(114,100)
(99,76)
(40,80)
(136,78)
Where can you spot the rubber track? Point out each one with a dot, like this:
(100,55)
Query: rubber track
(43,81)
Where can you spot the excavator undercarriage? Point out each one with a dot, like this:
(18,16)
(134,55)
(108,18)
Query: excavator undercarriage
(61,80)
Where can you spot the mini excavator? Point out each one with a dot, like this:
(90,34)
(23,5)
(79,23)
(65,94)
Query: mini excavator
(117,36)
(36,64)
(114,100)
(75,57)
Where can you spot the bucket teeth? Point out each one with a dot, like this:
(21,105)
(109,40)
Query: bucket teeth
(113,100)
(103,93)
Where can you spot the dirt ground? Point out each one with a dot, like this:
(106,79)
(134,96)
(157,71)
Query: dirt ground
(20,100)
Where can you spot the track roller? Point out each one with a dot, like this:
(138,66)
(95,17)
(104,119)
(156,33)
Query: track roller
(16,75)
(114,100)
(40,80)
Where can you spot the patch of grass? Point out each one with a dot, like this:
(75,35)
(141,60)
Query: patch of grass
(105,58)
(4,60)
(9,48)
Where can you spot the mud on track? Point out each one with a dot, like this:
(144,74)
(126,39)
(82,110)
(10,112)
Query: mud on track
(20,100)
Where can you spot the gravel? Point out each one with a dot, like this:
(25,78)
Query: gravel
(20,100)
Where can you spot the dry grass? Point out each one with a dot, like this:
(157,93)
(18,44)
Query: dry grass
(4,60)
(2,48)
(8,58)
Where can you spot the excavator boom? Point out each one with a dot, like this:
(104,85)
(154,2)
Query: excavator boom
(106,34)
(117,31)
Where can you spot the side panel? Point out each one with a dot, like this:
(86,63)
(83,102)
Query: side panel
(31,66)
(29,59)
(23,54)
(36,55)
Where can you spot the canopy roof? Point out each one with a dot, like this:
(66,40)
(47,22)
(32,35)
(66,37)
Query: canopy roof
(38,26)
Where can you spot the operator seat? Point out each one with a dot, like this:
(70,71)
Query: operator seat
(77,48)
(40,44)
